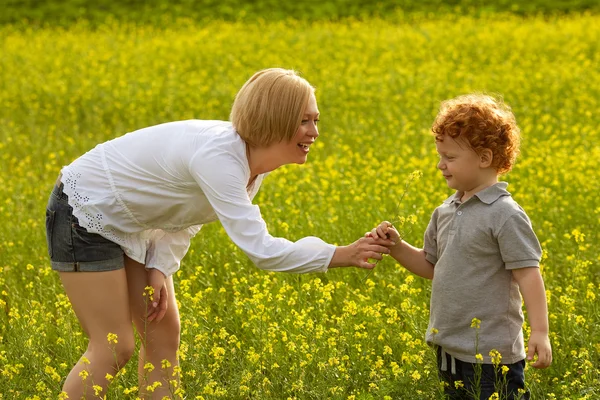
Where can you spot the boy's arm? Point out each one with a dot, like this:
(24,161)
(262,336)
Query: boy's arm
(413,259)
(532,289)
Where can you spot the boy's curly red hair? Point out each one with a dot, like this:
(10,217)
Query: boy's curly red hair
(484,122)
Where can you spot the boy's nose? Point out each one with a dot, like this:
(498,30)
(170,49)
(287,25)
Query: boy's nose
(441,165)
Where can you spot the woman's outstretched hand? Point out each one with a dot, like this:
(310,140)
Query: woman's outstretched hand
(358,253)
(157,306)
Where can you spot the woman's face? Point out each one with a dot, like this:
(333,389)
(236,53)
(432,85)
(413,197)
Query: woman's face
(296,150)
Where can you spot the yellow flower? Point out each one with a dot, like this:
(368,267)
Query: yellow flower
(148,291)
(496,357)
(479,356)
(475,323)
(84,375)
(149,367)
(112,338)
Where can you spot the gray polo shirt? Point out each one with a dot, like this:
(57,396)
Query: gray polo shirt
(474,246)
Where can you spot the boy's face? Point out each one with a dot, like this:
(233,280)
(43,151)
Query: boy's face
(460,165)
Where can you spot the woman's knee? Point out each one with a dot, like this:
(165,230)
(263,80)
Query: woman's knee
(124,353)
(171,333)
(164,337)
(117,349)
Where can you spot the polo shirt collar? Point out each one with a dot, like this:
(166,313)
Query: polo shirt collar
(487,195)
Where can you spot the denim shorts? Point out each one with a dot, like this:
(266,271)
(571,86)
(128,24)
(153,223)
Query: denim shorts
(491,380)
(72,248)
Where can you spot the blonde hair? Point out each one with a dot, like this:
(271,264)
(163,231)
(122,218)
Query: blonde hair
(269,107)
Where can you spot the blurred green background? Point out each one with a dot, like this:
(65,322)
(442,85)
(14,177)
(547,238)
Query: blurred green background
(163,11)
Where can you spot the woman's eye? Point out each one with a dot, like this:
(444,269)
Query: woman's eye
(316,121)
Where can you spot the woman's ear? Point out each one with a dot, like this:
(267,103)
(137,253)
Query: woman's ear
(485,158)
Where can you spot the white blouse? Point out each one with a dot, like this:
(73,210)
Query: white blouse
(151,190)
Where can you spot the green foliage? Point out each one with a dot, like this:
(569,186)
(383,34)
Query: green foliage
(251,334)
(167,11)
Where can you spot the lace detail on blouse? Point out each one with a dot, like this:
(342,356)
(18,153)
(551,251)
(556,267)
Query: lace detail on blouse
(92,222)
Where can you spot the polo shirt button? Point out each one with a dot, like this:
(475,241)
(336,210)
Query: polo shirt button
(459,213)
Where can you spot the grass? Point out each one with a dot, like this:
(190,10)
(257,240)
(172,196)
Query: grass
(251,334)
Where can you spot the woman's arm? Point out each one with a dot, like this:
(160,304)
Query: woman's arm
(225,189)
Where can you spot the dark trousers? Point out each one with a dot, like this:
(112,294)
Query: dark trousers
(492,380)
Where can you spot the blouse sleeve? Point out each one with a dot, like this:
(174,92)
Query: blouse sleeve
(167,249)
(223,180)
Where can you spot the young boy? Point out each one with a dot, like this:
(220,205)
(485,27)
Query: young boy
(480,250)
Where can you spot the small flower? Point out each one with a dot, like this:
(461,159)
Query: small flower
(148,291)
(479,356)
(84,374)
(496,357)
(149,367)
(112,338)
(475,323)
(97,390)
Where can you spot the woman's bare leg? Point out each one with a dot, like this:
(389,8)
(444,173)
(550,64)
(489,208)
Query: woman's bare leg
(160,340)
(101,302)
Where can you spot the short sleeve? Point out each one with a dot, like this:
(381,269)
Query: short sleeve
(223,179)
(167,249)
(519,246)
(430,245)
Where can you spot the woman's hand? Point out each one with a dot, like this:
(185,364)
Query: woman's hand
(358,253)
(157,306)
(385,230)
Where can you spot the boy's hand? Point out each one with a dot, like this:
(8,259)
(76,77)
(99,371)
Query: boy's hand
(385,230)
(539,344)
(157,307)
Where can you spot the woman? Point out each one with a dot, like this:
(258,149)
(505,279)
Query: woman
(121,218)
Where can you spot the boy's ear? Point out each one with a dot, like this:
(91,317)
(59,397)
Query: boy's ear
(485,158)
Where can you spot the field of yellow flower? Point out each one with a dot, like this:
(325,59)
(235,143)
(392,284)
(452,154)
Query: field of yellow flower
(248,334)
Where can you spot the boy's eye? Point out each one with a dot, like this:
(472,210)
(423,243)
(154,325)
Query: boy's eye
(317,121)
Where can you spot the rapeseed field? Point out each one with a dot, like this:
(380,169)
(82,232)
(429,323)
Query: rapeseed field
(348,334)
